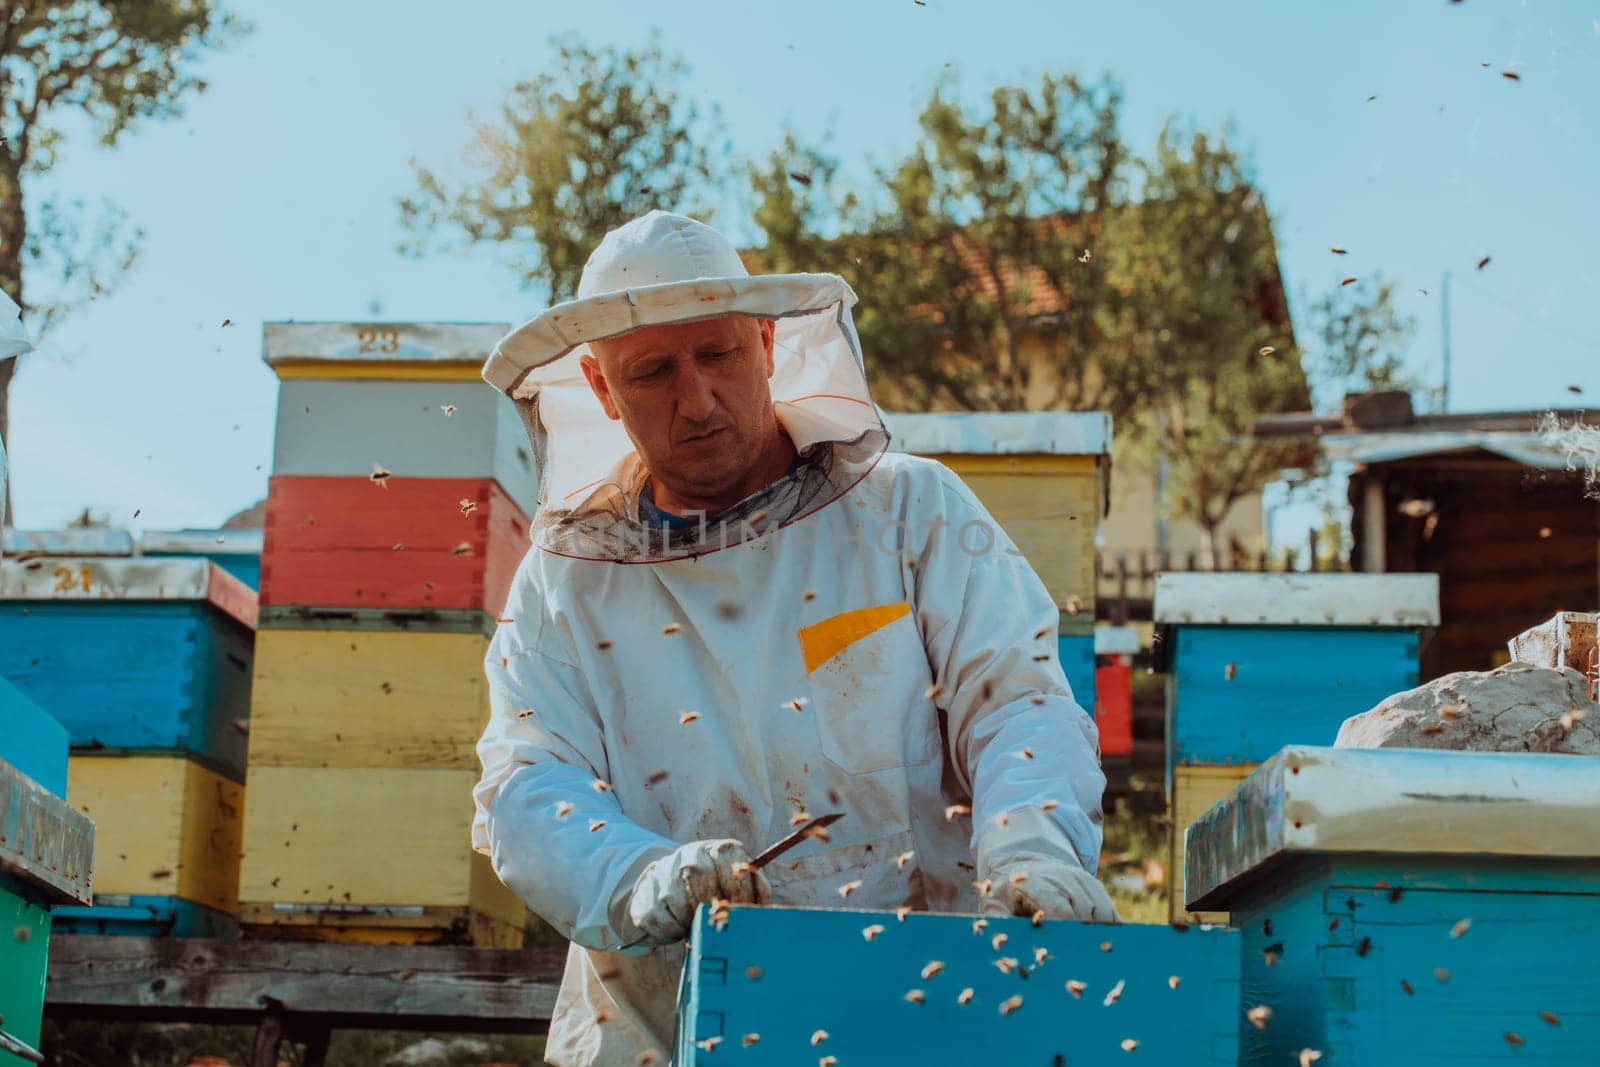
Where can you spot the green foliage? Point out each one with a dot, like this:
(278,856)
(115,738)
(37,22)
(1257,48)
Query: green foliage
(116,63)
(601,136)
(1360,337)
(1209,302)
(975,249)
(1018,259)
(1137,838)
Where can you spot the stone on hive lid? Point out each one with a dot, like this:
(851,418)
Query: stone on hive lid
(1515,708)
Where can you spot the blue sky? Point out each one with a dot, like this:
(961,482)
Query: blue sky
(274,196)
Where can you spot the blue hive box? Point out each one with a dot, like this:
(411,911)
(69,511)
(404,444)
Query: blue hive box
(1077,660)
(1409,906)
(771,977)
(1259,661)
(32,741)
(136,654)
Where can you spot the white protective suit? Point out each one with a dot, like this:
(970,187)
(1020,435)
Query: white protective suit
(860,637)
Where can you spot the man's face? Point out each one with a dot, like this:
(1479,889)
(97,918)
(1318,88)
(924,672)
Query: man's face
(694,398)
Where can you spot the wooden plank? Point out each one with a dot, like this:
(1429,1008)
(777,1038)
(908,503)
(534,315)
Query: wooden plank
(431,987)
(330,698)
(366,836)
(164,826)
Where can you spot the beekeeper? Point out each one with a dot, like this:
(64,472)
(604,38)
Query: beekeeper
(740,610)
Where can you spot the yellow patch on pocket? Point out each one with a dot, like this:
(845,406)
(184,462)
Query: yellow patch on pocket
(821,641)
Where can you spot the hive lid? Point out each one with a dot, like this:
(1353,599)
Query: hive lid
(1000,433)
(1116,640)
(1295,599)
(78,541)
(202,542)
(380,349)
(1392,801)
(85,578)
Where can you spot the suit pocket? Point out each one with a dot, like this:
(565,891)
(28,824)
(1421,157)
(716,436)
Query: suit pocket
(869,678)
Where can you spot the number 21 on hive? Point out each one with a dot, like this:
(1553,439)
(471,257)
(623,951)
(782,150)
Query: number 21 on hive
(66,578)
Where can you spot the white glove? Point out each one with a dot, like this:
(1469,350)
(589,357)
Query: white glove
(664,899)
(1026,866)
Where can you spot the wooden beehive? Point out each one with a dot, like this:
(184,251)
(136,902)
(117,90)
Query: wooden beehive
(441,543)
(370,853)
(1258,661)
(1044,476)
(134,655)
(166,845)
(407,397)
(1114,648)
(784,973)
(1419,907)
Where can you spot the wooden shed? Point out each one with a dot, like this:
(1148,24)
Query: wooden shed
(1500,512)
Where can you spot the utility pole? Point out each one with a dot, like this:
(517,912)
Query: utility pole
(1444,333)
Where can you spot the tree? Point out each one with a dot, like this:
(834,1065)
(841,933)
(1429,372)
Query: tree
(116,63)
(1199,257)
(601,137)
(1361,337)
(1018,260)
(978,247)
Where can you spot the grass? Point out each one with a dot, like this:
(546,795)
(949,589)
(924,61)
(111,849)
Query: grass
(1136,837)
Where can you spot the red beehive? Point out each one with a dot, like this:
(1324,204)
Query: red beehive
(442,543)
(1113,704)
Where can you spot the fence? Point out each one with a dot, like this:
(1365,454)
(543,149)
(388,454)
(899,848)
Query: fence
(1125,586)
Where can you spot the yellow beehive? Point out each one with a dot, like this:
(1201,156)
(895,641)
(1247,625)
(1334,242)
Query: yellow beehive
(370,853)
(367,698)
(1044,478)
(1195,788)
(164,826)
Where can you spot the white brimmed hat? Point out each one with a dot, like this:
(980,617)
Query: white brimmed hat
(663,268)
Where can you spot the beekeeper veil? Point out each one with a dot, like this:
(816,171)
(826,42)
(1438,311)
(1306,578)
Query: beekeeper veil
(661,269)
